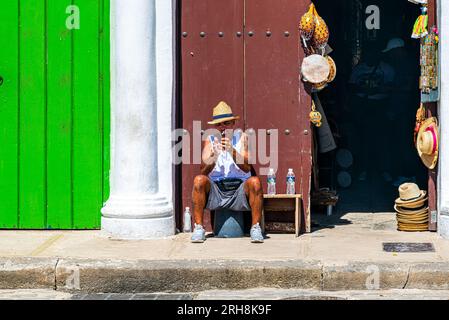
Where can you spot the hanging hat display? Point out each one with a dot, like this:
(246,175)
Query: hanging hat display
(332,75)
(307,24)
(420,118)
(321,34)
(315,69)
(315,117)
(420,27)
(429,79)
(333,69)
(427,142)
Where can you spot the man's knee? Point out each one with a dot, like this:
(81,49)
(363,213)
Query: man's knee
(255,185)
(200,183)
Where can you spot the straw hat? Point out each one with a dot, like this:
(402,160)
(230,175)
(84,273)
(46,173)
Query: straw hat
(410,194)
(427,142)
(412,227)
(331,77)
(414,205)
(315,69)
(411,213)
(423,221)
(410,218)
(333,69)
(223,113)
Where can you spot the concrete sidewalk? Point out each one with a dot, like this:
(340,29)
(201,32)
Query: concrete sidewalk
(343,253)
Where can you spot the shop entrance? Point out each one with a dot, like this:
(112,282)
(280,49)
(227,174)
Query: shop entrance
(372,104)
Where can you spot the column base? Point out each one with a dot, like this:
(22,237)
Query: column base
(142,217)
(443,226)
(138,229)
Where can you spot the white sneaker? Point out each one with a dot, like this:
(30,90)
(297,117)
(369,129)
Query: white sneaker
(256,234)
(199,234)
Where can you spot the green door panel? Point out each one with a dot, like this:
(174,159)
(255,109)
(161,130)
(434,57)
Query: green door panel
(54,114)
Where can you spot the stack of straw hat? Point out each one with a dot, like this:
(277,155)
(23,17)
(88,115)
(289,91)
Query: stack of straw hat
(412,211)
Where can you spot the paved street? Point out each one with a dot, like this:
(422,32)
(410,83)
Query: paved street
(253,294)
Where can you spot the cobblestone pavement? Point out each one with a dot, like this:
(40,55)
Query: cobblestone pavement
(253,294)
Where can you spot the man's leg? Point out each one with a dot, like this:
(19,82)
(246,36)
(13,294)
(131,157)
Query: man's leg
(201,188)
(254,192)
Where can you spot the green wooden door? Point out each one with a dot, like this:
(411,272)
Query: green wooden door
(54,113)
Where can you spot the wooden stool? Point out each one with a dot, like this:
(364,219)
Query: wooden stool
(284,203)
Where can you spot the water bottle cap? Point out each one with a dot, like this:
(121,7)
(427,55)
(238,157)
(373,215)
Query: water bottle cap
(187,209)
(290,170)
(271,171)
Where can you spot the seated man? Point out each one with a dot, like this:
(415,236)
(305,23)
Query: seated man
(225,181)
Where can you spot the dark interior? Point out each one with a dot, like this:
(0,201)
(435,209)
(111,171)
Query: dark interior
(378,134)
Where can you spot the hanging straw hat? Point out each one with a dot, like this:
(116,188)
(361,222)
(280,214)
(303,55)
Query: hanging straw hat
(410,194)
(333,69)
(223,113)
(428,142)
(315,69)
(331,77)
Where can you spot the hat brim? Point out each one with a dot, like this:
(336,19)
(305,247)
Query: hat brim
(399,201)
(416,205)
(413,228)
(224,120)
(430,161)
(419,211)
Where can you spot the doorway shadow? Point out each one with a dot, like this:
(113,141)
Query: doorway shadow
(321,221)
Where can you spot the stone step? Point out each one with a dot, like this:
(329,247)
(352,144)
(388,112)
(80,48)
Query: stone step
(148,276)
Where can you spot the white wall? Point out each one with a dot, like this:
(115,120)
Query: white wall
(443,192)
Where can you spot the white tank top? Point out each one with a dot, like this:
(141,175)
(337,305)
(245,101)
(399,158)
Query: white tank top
(225,166)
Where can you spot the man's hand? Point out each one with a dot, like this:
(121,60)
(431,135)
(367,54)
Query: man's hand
(210,154)
(226,144)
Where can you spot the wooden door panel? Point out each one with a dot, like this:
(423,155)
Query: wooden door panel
(212,69)
(54,111)
(274,95)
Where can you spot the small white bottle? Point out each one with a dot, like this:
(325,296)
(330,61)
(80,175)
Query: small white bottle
(187,221)
(291,182)
(271,182)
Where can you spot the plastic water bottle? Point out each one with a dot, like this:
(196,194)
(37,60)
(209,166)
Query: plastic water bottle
(187,221)
(291,182)
(271,182)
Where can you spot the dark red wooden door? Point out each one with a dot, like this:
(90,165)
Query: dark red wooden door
(256,72)
(274,96)
(212,69)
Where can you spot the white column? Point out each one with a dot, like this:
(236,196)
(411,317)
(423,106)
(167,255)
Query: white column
(137,209)
(443,190)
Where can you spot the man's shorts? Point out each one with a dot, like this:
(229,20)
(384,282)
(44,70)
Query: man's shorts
(230,200)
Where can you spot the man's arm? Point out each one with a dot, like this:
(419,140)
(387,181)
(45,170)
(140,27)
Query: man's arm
(208,158)
(242,158)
